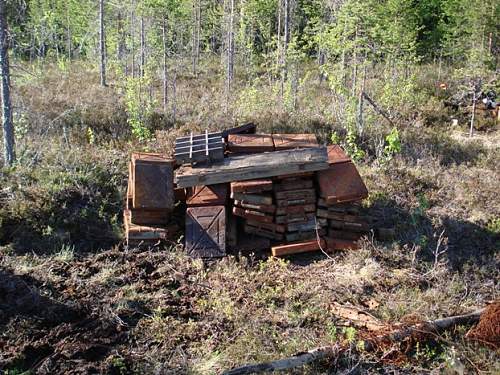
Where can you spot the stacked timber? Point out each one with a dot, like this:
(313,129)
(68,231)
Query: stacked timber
(150,199)
(341,190)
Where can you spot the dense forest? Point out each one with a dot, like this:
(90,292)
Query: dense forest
(408,88)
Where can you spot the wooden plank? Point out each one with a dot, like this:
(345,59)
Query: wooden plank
(212,195)
(296,248)
(301,209)
(251,167)
(341,216)
(180,194)
(294,175)
(263,233)
(206,231)
(293,184)
(232,231)
(252,215)
(152,176)
(294,202)
(341,183)
(302,226)
(291,141)
(270,209)
(149,217)
(250,143)
(253,186)
(304,236)
(264,199)
(337,155)
(272,227)
(340,244)
(136,233)
(345,235)
(296,194)
(349,226)
(294,218)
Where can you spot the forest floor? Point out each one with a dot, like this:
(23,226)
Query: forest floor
(75,299)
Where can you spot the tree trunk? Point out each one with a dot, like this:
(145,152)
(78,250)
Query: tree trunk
(102,43)
(143,47)
(165,71)
(132,41)
(196,35)
(8,128)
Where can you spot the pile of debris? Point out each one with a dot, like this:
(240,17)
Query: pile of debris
(248,192)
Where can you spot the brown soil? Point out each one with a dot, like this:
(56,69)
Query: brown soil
(487,331)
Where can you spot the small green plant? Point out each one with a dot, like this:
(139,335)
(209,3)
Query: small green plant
(494,226)
(138,108)
(350,334)
(331,330)
(335,138)
(393,144)
(90,136)
(118,363)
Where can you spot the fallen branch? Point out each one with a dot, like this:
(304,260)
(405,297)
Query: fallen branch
(301,359)
(297,360)
(377,109)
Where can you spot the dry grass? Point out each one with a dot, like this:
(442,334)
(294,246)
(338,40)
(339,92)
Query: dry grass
(97,306)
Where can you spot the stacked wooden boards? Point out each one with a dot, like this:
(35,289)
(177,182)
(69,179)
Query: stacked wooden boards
(150,199)
(256,143)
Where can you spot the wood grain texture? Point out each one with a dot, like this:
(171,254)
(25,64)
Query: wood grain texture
(250,143)
(296,248)
(292,141)
(341,183)
(206,232)
(256,166)
(212,195)
(253,186)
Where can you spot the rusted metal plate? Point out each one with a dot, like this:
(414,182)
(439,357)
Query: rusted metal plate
(296,209)
(250,143)
(211,195)
(270,209)
(253,215)
(293,184)
(296,194)
(153,186)
(337,155)
(206,231)
(252,186)
(290,141)
(341,183)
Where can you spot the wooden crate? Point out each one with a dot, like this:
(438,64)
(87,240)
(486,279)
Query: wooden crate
(206,231)
(136,234)
(152,182)
(212,195)
(149,217)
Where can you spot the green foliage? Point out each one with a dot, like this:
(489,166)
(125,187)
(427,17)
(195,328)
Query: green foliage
(139,107)
(494,226)
(393,143)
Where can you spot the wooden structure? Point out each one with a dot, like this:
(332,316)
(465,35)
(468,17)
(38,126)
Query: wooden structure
(201,148)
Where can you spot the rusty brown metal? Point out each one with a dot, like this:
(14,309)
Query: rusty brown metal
(341,183)
(337,155)
(291,141)
(206,231)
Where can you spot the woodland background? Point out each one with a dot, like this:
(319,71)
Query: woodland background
(92,81)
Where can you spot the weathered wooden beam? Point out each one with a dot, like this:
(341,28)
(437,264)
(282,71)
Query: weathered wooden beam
(250,167)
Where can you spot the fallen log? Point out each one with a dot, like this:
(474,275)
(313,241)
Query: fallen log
(298,360)
(301,359)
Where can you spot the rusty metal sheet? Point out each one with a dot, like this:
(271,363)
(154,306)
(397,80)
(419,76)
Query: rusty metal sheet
(211,195)
(206,231)
(337,155)
(250,143)
(290,141)
(341,183)
(153,181)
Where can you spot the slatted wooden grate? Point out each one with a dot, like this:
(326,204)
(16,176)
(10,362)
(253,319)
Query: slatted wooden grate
(200,148)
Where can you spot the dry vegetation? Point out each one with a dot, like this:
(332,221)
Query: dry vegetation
(74,299)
